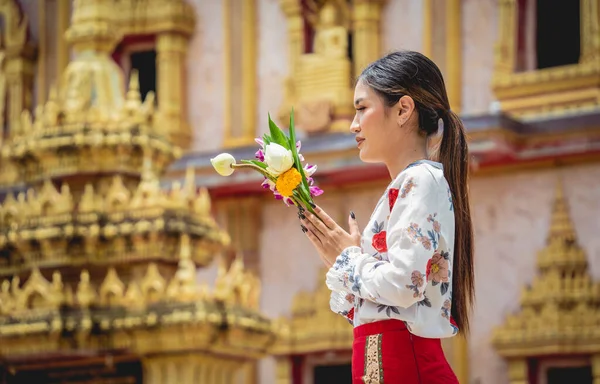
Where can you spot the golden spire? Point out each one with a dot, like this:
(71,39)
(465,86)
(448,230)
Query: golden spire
(559,308)
(134,98)
(562,226)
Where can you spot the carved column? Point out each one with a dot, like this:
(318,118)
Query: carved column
(19,73)
(590,31)
(454,52)
(192,369)
(517,371)
(17,63)
(240,72)
(596,368)
(284,370)
(366,33)
(293,12)
(505,47)
(242,219)
(171,49)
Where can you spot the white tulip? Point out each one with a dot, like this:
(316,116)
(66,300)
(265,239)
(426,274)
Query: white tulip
(223,164)
(278,159)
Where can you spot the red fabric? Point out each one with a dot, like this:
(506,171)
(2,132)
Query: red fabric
(406,358)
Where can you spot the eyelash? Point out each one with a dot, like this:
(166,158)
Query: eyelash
(360,109)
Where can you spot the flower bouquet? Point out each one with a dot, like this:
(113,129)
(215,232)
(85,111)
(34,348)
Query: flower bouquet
(279,160)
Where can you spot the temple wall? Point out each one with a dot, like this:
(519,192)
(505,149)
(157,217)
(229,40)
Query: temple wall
(409,15)
(205,74)
(479,29)
(511,215)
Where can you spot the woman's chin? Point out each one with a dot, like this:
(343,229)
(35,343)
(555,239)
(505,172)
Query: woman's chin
(365,158)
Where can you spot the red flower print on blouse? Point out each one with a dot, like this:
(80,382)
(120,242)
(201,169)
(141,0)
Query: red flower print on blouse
(350,314)
(379,242)
(392,196)
(437,268)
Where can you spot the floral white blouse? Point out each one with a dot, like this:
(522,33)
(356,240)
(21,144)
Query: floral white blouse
(403,268)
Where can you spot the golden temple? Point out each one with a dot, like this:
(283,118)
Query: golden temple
(124,258)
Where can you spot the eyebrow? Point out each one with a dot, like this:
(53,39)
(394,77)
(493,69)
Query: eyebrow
(357,101)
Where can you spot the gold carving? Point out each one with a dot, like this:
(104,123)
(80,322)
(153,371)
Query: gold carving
(550,90)
(313,327)
(320,84)
(236,286)
(91,212)
(559,312)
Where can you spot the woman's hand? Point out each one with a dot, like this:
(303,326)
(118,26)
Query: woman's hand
(327,236)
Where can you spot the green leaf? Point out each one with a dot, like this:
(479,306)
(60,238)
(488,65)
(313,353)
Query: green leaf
(255,162)
(266,139)
(277,134)
(297,158)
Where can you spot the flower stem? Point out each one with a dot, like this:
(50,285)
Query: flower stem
(262,171)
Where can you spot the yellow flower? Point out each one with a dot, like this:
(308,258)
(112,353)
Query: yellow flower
(288,181)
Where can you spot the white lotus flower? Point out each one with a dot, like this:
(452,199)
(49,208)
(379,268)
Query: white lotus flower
(223,164)
(278,159)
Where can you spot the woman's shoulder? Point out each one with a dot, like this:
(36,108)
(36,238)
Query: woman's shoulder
(429,174)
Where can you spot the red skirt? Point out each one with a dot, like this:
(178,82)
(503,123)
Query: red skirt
(386,352)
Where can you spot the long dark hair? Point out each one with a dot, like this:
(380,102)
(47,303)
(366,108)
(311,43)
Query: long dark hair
(413,74)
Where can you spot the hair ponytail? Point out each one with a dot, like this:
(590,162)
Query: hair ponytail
(453,153)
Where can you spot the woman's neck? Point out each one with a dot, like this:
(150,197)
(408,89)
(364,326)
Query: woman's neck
(400,162)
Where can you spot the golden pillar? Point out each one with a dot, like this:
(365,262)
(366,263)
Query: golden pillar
(16,66)
(194,368)
(590,31)
(505,47)
(596,368)
(41,64)
(293,13)
(240,72)
(517,371)
(171,49)
(454,53)
(367,41)
(284,370)
(62,47)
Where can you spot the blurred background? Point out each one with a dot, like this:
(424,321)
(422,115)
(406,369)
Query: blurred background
(124,258)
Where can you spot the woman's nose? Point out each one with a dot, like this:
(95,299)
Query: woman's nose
(355,127)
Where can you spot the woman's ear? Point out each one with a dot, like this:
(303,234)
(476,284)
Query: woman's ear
(405,109)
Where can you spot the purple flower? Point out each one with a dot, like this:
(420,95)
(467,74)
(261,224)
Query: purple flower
(260,155)
(260,142)
(298,146)
(309,169)
(315,191)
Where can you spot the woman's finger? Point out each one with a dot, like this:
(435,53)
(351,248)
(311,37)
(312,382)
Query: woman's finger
(317,224)
(314,238)
(328,221)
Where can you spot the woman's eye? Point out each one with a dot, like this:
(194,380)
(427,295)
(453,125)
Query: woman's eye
(360,108)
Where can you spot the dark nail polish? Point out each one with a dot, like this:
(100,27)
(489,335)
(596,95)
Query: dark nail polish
(352,215)
(313,204)
(303,228)
(301,208)
(301,216)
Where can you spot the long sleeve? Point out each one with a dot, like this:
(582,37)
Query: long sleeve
(403,249)
(342,303)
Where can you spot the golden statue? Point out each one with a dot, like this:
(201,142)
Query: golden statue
(331,38)
(322,85)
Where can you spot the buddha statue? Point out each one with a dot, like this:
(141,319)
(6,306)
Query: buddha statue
(322,86)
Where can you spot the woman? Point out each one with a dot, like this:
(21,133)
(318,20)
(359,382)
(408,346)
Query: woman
(407,281)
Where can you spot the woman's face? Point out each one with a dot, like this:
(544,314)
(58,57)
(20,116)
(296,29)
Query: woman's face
(378,132)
